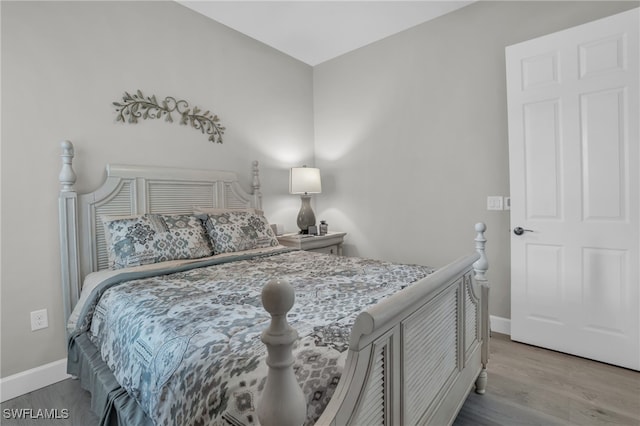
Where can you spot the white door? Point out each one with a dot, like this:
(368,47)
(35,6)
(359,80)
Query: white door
(575,189)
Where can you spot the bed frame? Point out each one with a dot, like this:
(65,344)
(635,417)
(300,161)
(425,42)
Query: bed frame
(412,358)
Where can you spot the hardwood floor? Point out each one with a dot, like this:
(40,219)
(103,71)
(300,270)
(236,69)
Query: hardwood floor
(533,386)
(527,386)
(64,395)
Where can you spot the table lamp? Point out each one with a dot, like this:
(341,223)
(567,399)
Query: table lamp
(304,181)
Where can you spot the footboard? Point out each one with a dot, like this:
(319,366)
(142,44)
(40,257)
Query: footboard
(414,357)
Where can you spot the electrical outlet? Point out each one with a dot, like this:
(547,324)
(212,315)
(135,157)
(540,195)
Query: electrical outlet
(39,320)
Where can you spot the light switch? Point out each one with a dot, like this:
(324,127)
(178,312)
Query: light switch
(494,202)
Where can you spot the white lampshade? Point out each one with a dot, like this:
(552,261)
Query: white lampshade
(304,180)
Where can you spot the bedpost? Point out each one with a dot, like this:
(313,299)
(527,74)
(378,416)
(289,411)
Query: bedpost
(282,402)
(480,267)
(255,185)
(68,217)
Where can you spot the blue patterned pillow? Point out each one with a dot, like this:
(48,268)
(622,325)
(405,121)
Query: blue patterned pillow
(153,238)
(232,231)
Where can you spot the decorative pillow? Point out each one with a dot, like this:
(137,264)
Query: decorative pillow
(237,230)
(153,238)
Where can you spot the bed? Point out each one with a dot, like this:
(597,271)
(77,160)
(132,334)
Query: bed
(252,333)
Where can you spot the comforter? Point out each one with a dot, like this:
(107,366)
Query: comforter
(185,342)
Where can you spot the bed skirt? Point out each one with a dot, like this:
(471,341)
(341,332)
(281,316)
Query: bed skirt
(109,401)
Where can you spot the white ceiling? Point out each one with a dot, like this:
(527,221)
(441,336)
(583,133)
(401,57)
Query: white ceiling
(316,31)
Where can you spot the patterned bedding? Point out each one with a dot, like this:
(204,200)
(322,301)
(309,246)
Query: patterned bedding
(186,345)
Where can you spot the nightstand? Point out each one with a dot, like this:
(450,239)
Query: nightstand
(330,243)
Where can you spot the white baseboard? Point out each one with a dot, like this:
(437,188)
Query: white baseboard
(30,380)
(500,325)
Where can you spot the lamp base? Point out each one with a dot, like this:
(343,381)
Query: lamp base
(306,217)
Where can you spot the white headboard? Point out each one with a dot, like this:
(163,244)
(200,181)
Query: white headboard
(132,190)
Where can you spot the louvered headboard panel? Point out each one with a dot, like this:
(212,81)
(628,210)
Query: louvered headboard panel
(134,190)
(180,197)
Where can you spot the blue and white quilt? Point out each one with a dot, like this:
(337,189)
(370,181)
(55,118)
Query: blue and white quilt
(186,345)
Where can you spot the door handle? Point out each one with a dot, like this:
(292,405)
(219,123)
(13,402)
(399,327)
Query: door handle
(519,231)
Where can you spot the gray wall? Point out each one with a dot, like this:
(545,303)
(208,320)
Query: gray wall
(411,134)
(63,64)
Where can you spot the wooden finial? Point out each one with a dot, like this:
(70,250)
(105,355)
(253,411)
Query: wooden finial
(67,176)
(277,298)
(282,402)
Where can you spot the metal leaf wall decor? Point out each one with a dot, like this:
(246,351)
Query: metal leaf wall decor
(136,106)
